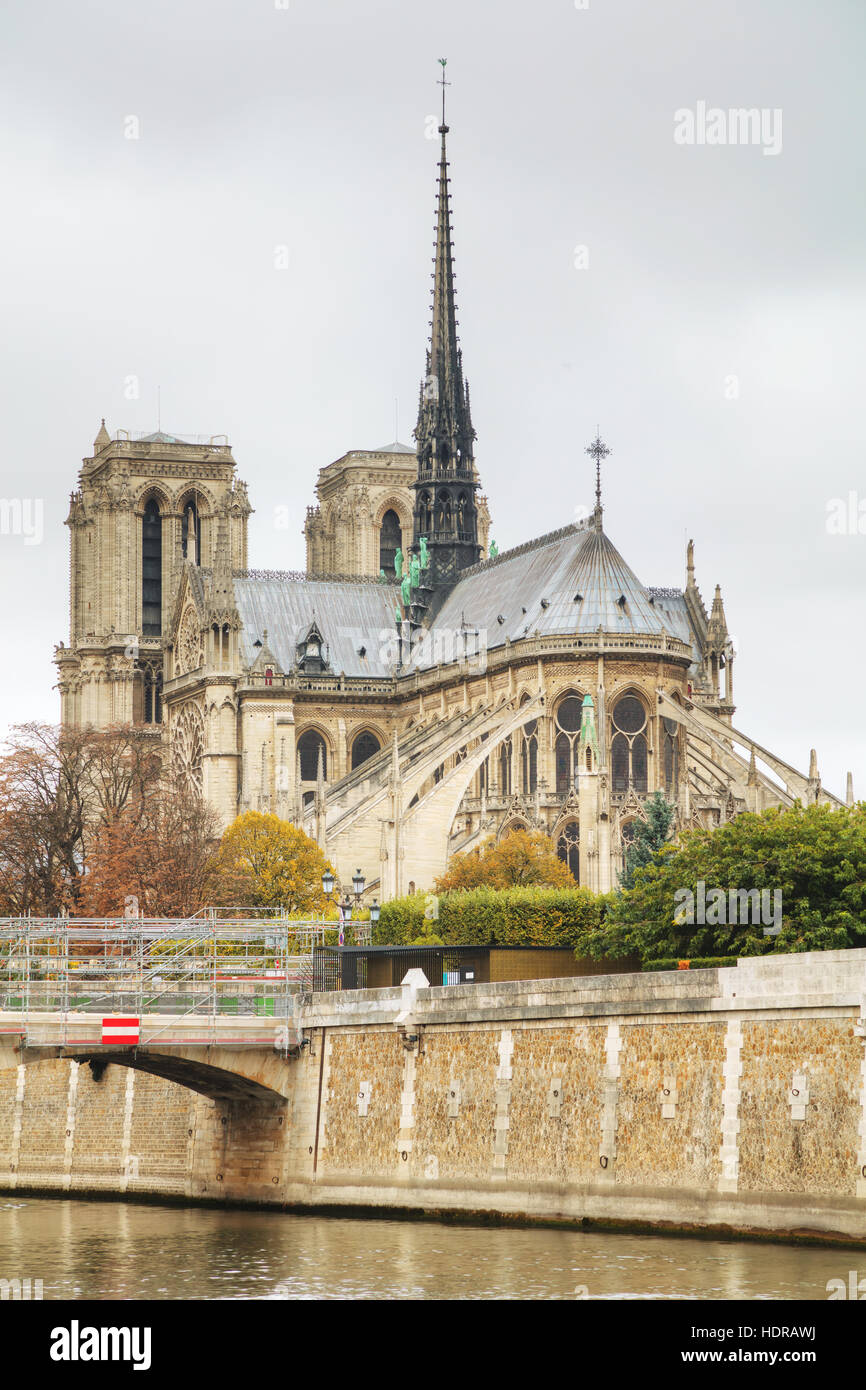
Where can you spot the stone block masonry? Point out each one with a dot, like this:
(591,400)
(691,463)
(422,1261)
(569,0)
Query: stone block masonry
(731,1099)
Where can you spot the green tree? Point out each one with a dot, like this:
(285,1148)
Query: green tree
(267,862)
(813,857)
(649,837)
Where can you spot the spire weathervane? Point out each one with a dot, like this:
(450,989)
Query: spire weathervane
(598,450)
(443,84)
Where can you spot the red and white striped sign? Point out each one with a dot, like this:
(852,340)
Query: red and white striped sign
(120,1030)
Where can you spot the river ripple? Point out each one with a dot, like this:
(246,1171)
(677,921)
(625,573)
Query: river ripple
(107,1250)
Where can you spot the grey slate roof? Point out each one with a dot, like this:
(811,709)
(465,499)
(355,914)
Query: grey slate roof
(672,604)
(396,448)
(349,615)
(534,590)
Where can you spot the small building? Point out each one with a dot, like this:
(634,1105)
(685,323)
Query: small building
(381,967)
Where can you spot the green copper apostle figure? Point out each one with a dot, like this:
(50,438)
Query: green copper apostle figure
(414,572)
(398,562)
(406,590)
(425,558)
(494,550)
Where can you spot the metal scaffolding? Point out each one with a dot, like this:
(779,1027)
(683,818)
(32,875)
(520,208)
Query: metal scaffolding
(228,973)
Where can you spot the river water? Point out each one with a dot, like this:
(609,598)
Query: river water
(108,1250)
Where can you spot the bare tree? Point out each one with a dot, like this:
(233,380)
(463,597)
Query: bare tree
(88,818)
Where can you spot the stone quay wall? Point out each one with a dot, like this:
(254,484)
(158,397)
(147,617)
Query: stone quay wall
(731,1098)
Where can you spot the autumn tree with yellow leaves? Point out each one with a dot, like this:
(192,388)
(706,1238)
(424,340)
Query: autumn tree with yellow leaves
(521,859)
(264,861)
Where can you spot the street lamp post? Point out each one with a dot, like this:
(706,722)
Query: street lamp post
(346,904)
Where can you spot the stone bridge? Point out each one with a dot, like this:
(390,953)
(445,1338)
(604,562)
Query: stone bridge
(208,1056)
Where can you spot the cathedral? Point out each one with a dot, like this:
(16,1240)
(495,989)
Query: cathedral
(415,691)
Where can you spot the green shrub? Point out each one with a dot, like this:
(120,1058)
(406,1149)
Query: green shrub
(401,921)
(494,917)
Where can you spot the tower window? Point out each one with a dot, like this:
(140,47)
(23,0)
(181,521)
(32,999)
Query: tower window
(190,533)
(152,694)
(151,571)
(390,539)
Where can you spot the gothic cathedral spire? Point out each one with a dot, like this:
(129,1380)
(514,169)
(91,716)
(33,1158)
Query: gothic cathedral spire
(446,512)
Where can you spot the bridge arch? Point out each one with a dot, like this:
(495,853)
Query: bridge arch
(221,1073)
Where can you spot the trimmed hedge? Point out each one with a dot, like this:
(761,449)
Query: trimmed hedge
(494,917)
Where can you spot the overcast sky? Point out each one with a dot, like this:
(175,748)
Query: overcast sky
(712,324)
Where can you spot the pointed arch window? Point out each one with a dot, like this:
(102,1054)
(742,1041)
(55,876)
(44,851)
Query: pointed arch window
(390,540)
(505,767)
(484,772)
(626,835)
(190,532)
(309,745)
(671,756)
(568,716)
(365,746)
(529,758)
(152,694)
(628,748)
(568,847)
(151,570)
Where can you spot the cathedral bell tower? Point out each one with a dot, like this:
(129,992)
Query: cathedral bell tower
(445,513)
(145,507)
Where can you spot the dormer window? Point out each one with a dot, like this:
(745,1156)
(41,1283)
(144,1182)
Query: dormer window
(269,675)
(311,652)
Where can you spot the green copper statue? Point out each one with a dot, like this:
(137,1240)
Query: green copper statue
(425,558)
(398,562)
(382,577)
(494,550)
(414,571)
(406,590)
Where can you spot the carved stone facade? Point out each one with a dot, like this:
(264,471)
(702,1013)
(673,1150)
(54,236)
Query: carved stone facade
(415,692)
(143,508)
(365,503)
